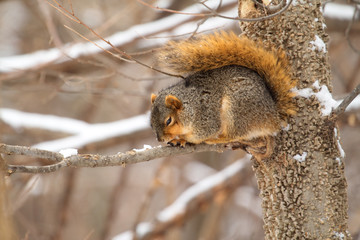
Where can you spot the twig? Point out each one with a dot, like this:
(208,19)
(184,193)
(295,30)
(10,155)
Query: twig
(31,152)
(172,11)
(74,18)
(95,160)
(276,10)
(343,105)
(97,45)
(249,19)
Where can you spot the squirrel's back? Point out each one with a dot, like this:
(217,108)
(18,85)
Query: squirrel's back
(222,49)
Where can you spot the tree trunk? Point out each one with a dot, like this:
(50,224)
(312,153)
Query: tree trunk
(303,185)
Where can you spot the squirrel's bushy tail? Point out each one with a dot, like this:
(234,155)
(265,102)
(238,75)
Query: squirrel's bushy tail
(222,49)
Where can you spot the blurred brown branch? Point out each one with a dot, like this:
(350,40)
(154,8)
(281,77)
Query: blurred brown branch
(213,189)
(348,29)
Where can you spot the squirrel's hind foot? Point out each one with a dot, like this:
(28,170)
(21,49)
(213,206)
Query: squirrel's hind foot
(260,148)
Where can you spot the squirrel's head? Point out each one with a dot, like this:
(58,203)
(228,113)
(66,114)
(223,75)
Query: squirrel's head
(165,111)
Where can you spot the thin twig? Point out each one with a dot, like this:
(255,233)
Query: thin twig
(71,7)
(172,11)
(74,18)
(249,19)
(64,12)
(35,169)
(97,45)
(213,13)
(343,105)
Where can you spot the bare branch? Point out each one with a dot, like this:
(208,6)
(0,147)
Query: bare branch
(343,105)
(95,160)
(31,152)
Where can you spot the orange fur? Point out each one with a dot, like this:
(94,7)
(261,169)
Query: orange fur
(222,49)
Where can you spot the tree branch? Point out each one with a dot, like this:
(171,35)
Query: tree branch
(95,160)
(343,105)
(31,152)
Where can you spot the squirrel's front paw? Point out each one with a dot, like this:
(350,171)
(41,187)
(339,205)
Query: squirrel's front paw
(177,142)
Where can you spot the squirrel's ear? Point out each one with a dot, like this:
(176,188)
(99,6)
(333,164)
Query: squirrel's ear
(173,102)
(153,97)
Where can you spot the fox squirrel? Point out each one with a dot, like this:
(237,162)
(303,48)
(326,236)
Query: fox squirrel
(236,91)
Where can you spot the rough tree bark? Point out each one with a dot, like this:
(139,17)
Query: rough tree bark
(301,199)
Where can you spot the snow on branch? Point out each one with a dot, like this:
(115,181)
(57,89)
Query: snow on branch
(170,24)
(18,119)
(98,132)
(84,133)
(190,202)
(328,104)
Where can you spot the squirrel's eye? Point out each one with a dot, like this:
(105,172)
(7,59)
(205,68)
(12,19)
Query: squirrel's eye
(168,121)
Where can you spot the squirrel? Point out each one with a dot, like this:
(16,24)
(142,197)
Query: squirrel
(235,91)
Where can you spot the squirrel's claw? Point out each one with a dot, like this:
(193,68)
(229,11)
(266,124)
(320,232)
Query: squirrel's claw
(172,143)
(177,142)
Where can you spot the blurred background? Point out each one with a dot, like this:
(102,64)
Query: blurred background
(101,203)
